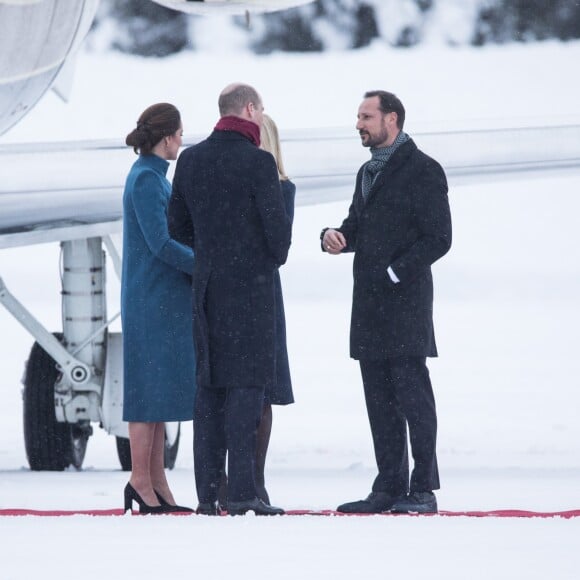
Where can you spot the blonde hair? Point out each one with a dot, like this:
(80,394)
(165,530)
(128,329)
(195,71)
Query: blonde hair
(270,141)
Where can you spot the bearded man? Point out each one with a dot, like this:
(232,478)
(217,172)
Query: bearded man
(398,224)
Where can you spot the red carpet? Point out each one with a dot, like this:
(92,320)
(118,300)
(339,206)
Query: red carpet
(472,514)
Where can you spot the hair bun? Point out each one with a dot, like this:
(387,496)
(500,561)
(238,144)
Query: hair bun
(156,122)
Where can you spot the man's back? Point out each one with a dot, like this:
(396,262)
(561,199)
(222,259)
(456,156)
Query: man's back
(232,192)
(227,204)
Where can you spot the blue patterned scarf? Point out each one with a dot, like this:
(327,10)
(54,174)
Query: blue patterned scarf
(380,157)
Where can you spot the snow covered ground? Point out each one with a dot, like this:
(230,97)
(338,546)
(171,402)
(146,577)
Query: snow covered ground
(507,317)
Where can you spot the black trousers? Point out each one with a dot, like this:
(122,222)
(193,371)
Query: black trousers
(398,395)
(226,421)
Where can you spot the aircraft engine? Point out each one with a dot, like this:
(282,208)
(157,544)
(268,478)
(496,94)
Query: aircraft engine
(36,38)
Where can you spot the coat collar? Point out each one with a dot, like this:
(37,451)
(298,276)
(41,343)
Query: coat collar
(227,136)
(398,158)
(155,162)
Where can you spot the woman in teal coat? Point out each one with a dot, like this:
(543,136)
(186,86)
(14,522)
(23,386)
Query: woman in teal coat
(159,360)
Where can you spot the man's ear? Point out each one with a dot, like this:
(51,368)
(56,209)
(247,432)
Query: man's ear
(248,111)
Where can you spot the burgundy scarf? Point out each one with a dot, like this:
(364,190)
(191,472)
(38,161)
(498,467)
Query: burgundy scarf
(245,128)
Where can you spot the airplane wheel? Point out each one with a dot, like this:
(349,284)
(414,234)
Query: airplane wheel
(124,453)
(50,445)
(171,448)
(169,455)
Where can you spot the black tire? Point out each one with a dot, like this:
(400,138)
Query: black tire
(169,456)
(124,453)
(50,445)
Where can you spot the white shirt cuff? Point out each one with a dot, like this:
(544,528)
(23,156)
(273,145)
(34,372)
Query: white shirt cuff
(392,275)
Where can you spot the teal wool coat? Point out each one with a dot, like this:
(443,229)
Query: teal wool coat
(158,353)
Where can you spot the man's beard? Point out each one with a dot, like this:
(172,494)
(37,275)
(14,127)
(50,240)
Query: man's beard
(373,141)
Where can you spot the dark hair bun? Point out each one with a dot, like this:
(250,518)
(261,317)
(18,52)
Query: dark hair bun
(156,122)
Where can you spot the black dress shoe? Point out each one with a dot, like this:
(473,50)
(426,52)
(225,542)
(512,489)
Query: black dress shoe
(130,495)
(375,503)
(256,505)
(417,502)
(171,508)
(208,509)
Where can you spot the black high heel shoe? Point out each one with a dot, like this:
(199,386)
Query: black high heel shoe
(170,507)
(131,495)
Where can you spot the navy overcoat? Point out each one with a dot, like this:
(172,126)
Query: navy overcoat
(158,353)
(227,204)
(405,223)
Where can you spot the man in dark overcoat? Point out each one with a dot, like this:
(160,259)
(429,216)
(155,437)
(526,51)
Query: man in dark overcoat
(398,224)
(227,204)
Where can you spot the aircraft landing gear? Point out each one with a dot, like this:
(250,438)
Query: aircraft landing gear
(75,377)
(50,445)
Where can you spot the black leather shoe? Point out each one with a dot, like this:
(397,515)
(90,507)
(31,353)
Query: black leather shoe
(171,508)
(256,505)
(208,509)
(375,503)
(417,502)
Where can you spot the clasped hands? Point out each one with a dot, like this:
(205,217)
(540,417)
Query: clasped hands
(333,241)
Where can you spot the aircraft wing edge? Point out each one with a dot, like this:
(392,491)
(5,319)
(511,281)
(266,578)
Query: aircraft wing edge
(60,233)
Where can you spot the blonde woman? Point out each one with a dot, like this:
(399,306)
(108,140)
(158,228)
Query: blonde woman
(281,392)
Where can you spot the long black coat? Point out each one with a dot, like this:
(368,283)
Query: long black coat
(227,204)
(280,393)
(405,223)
